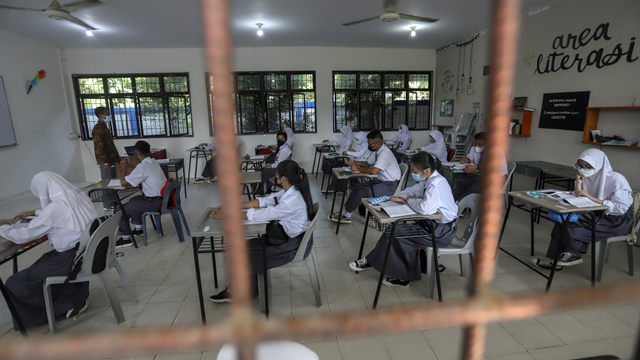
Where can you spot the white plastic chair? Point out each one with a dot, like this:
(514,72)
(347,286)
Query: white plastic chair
(602,255)
(404,169)
(459,246)
(298,261)
(461,137)
(94,268)
(511,167)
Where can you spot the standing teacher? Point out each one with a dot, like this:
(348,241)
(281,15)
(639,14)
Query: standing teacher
(106,153)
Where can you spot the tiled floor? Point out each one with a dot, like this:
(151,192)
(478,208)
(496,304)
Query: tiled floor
(162,275)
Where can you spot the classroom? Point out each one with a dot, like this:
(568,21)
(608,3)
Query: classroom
(356,134)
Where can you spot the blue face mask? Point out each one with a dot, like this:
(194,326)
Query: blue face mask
(358,142)
(417,178)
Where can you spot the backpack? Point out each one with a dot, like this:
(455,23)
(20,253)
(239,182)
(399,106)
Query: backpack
(172,199)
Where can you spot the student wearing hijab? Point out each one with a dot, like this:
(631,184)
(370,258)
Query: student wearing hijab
(65,217)
(430,195)
(291,207)
(342,145)
(598,182)
(269,171)
(437,147)
(209,168)
(475,160)
(361,153)
(404,141)
(291,137)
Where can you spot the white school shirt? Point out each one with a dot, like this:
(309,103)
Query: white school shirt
(360,155)
(291,211)
(384,160)
(475,156)
(150,174)
(61,239)
(282,155)
(431,196)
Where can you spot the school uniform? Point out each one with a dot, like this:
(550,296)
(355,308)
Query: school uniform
(65,217)
(291,137)
(609,186)
(404,141)
(342,145)
(266,174)
(362,153)
(471,184)
(386,182)
(438,148)
(150,176)
(428,197)
(209,168)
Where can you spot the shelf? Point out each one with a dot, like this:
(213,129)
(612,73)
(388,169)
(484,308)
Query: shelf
(525,129)
(591,123)
(619,146)
(613,108)
(520,135)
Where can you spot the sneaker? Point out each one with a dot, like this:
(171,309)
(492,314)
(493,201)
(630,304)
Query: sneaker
(124,243)
(215,178)
(359,265)
(391,281)
(137,232)
(327,191)
(544,263)
(223,296)
(569,259)
(78,310)
(108,208)
(198,181)
(343,219)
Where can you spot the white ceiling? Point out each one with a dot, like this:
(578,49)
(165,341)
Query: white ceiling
(178,23)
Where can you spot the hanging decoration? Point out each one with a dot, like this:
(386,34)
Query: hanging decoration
(447,83)
(36,80)
(470,89)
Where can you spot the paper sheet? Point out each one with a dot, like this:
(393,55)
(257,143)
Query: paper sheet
(254,222)
(581,202)
(398,210)
(161,161)
(258,157)
(115,183)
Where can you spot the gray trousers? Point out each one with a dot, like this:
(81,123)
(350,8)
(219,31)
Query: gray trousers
(135,208)
(380,188)
(26,292)
(108,174)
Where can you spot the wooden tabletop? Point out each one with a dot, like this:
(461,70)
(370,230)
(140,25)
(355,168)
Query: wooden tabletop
(327,156)
(260,159)
(336,173)
(208,226)
(543,165)
(549,204)
(383,218)
(105,184)
(250,177)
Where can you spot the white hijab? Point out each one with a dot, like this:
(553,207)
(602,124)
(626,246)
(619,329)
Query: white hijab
(403,135)
(346,141)
(291,137)
(605,181)
(362,137)
(63,205)
(438,148)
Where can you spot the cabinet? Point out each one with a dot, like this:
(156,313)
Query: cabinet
(593,113)
(525,130)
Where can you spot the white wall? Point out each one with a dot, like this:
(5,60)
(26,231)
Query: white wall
(615,85)
(40,119)
(321,60)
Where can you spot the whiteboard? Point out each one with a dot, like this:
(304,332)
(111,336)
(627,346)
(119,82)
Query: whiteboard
(7,135)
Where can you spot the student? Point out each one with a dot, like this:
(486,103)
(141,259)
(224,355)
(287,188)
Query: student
(148,174)
(106,152)
(292,207)
(598,182)
(430,195)
(404,141)
(345,143)
(381,162)
(65,217)
(282,153)
(291,137)
(362,152)
(475,159)
(209,168)
(437,147)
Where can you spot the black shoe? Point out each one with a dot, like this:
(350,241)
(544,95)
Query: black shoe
(198,181)
(391,281)
(124,243)
(569,259)
(362,210)
(544,263)
(441,268)
(359,265)
(223,296)
(137,232)
(78,309)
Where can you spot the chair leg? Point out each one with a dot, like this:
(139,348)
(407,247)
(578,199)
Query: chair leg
(313,274)
(463,265)
(261,291)
(600,250)
(112,296)
(144,228)
(178,225)
(153,223)
(431,275)
(48,304)
(159,222)
(630,258)
(126,282)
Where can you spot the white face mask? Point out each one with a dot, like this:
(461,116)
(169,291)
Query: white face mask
(586,173)
(107,119)
(479,149)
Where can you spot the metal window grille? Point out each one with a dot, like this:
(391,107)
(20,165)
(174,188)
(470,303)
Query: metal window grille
(244,329)
(384,100)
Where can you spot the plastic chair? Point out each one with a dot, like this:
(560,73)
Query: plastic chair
(451,153)
(404,170)
(459,246)
(98,195)
(175,211)
(460,138)
(602,255)
(97,265)
(511,167)
(299,260)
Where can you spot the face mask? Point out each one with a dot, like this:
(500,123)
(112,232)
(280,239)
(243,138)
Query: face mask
(432,140)
(280,143)
(107,119)
(417,178)
(358,142)
(479,149)
(586,173)
(371,148)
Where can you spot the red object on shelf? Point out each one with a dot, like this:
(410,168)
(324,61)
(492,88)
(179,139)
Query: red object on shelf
(159,154)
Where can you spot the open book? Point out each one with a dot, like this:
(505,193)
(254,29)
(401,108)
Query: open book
(568,197)
(394,209)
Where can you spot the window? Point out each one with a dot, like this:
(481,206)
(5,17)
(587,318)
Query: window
(382,100)
(268,102)
(141,105)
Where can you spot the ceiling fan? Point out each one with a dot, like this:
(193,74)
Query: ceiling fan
(390,14)
(56,11)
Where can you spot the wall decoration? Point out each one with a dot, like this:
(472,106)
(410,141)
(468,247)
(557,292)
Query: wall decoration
(564,111)
(470,89)
(566,52)
(36,80)
(446,108)
(447,83)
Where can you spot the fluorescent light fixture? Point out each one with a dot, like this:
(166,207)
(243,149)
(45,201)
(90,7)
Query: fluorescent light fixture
(89,33)
(413,30)
(260,32)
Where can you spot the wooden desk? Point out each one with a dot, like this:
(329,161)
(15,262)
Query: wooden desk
(452,175)
(338,176)
(252,164)
(406,155)
(540,204)
(331,160)
(383,218)
(563,175)
(174,165)
(537,169)
(212,230)
(249,181)
(319,149)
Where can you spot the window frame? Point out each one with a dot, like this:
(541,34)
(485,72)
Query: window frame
(107,98)
(385,124)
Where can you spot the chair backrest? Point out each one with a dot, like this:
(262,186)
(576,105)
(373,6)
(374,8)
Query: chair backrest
(404,169)
(171,197)
(302,249)
(465,122)
(511,167)
(103,194)
(471,202)
(635,226)
(100,247)
(450,154)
